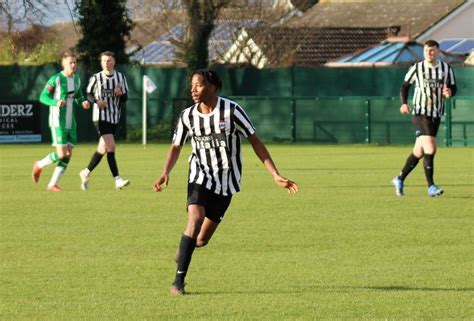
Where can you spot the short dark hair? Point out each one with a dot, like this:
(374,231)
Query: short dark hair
(432,43)
(107,53)
(210,77)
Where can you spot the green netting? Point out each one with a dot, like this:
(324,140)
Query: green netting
(321,105)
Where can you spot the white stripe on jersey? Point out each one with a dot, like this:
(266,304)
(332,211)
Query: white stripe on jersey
(102,87)
(215,161)
(429,81)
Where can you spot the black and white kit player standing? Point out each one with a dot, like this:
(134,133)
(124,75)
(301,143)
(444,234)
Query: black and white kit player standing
(215,126)
(434,82)
(108,90)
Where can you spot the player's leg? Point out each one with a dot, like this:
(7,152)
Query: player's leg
(429,151)
(215,211)
(95,159)
(412,160)
(53,157)
(196,215)
(64,152)
(110,145)
(207,230)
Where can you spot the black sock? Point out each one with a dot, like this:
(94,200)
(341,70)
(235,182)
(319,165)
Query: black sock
(186,249)
(112,164)
(95,160)
(410,164)
(428,164)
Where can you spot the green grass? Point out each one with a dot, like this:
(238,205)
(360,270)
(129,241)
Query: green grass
(345,247)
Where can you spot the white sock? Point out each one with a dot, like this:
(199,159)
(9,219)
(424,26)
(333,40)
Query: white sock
(45,162)
(117,178)
(57,174)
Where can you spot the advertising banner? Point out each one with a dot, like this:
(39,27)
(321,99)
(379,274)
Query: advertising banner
(20,122)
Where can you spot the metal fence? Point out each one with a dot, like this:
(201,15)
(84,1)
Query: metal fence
(347,119)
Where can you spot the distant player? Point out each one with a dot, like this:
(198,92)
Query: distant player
(434,81)
(215,126)
(108,90)
(62,94)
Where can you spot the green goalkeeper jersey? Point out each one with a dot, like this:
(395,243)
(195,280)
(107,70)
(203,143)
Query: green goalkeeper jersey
(61,87)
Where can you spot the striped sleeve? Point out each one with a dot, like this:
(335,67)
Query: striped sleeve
(410,76)
(242,122)
(451,78)
(90,86)
(180,133)
(124,83)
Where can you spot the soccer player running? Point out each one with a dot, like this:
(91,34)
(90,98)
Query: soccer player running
(214,126)
(62,94)
(434,81)
(108,90)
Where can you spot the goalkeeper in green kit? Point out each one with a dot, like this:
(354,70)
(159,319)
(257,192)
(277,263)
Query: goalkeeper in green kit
(62,94)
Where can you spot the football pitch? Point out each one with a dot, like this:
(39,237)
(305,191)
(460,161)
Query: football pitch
(345,247)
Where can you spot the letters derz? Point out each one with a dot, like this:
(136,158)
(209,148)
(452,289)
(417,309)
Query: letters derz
(16,110)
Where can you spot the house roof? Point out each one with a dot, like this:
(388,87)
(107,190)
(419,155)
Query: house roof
(304,47)
(414,17)
(161,51)
(394,51)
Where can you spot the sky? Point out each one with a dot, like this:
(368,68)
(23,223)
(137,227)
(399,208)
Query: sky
(56,11)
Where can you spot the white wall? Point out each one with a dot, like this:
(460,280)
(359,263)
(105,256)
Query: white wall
(459,24)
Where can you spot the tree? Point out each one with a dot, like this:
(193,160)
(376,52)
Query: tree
(192,49)
(24,12)
(105,25)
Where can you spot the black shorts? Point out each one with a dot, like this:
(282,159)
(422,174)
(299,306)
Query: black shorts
(426,126)
(104,128)
(214,205)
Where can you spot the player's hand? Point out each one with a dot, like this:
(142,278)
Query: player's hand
(161,183)
(60,103)
(86,105)
(281,181)
(405,109)
(447,91)
(101,104)
(118,91)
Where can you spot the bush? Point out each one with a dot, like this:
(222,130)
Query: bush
(159,133)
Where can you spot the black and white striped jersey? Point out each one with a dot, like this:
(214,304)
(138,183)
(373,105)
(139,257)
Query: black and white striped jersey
(216,160)
(429,81)
(102,87)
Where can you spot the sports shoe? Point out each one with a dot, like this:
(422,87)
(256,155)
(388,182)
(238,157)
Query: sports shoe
(435,190)
(36,172)
(85,175)
(54,188)
(398,183)
(177,289)
(121,183)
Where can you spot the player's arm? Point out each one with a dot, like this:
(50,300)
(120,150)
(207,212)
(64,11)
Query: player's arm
(46,96)
(171,159)
(262,153)
(450,88)
(405,108)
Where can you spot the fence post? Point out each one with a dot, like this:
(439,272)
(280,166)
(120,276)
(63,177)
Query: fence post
(368,129)
(447,123)
(293,119)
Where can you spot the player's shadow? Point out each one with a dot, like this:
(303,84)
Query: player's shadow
(389,288)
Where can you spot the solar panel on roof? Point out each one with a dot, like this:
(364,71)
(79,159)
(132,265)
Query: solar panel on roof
(465,46)
(446,44)
(460,46)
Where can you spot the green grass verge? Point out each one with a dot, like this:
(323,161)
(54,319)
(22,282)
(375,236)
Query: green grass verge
(345,247)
